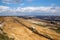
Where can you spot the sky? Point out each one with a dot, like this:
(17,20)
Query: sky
(29,7)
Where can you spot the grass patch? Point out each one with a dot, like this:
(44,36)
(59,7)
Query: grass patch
(58,30)
(4,36)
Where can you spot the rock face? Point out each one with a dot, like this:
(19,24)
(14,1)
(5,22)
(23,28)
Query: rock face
(21,29)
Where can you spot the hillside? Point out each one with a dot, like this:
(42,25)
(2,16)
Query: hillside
(22,29)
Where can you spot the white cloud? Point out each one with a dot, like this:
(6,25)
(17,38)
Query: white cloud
(11,1)
(29,0)
(39,9)
(29,10)
(15,1)
(21,4)
(3,8)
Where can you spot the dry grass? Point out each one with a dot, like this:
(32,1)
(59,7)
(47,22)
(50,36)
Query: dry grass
(14,28)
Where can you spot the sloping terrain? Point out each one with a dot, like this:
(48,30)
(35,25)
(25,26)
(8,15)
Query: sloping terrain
(21,29)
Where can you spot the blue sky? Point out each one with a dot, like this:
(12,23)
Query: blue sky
(30,7)
(32,3)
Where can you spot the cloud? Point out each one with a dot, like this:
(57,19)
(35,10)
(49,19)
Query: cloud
(40,9)
(21,4)
(11,1)
(15,1)
(29,0)
(5,10)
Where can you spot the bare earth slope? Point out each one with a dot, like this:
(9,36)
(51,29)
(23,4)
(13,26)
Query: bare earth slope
(21,29)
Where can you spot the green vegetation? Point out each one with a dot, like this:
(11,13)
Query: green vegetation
(3,36)
(58,30)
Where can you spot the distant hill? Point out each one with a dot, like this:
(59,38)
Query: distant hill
(50,18)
